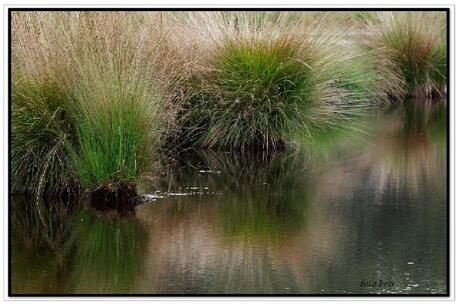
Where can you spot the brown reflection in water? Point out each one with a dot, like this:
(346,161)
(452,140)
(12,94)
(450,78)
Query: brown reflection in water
(406,148)
(403,155)
(39,231)
(267,223)
(190,247)
(249,238)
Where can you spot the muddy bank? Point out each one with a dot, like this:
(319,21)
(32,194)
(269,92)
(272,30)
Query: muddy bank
(121,197)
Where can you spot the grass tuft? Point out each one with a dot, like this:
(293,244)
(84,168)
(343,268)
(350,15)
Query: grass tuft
(412,47)
(115,131)
(42,133)
(90,98)
(262,92)
(268,81)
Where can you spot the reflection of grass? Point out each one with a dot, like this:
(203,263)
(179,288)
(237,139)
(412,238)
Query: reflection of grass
(262,194)
(39,230)
(231,171)
(102,254)
(418,134)
(107,254)
(39,223)
(263,215)
(255,169)
(437,123)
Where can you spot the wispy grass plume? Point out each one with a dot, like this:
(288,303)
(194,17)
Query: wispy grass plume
(267,80)
(410,46)
(42,124)
(89,97)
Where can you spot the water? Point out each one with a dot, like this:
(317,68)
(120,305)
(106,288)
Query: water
(361,214)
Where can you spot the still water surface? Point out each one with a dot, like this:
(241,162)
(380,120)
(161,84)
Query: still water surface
(360,214)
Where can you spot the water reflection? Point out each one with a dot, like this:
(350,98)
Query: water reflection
(395,198)
(274,187)
(291,222)
(39,231)
(107,254)
(57,249)
(416,136)
(233,241)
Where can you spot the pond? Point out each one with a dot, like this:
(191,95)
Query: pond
(363,213)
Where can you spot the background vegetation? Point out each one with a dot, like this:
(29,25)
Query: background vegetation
(98,97)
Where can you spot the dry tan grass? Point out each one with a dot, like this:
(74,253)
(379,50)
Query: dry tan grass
(89,69)
(409,46)
(306,42)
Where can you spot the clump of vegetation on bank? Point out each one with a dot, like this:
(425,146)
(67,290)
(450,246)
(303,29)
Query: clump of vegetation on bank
(410,46)
(88,103)
(43,127)
(267,81)
(41,135)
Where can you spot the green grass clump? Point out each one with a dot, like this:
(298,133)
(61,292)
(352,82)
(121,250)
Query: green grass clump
(270,81)
(262,93)
(88,104)
(115,131)
(413,47)
(42,134)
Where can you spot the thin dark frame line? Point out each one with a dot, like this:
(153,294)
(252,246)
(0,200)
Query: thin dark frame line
(9,150)
(263,9)
(319,9)
(448,150)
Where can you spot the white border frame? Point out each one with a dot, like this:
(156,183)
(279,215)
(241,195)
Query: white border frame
(229,4)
